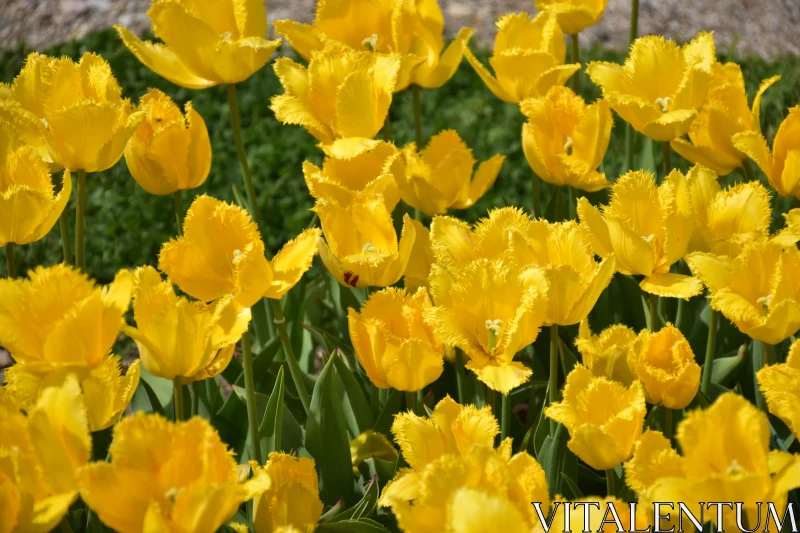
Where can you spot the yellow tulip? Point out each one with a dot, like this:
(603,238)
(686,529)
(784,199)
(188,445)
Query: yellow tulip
(528,57)
(606,354)
(349,96)
(603,417)
(780,385)
(725,458)
(440,63)
(481,491)
(106,391)
(170,151)
(208,268)
(727,219)
(29,207)
(565,140)
(647,227)
(27,127)
(574,16)
(575,279)
(354,168)
(361,248)
(782,165)
(493,328)
(393,343)
(419,262)
(665,364)
(40,457)
(166,476)
(573,519)
(661,86)
(755,290)
(293,499)
(371,444)
(440,177)
(182,339)
(85,121)
(60,319)
(724,114)
(204,43)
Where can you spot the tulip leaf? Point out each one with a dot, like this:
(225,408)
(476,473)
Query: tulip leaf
(358,406)
(647,157)
(572,486)
(326,438)
(381,469)
(394,404)
(725,368)
(568,358)
(269,432)
(542,427)
(145,399)
(333,512)
(364,508)
(161,389)
(556,459)
(364,525)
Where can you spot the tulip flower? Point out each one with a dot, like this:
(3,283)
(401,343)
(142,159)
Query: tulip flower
(24,125)
(603,417)
(106,391)
(42,455)
(725,456)
(606,354)
(419,262)
(370,444)
(780,385)
(85,121)
(574,17)
(479,491)
(575,279)
(782,165)
(724,114)
(727,219)
(60,319)
(648,228)
(29,207)
(493,328)
(170,151)
(393,343)
(192,486)
(440,177)
(665,364)
(350,95)
(661,86)
(292,500)
(182,339)
(351,168)
(361,248)
(528,57)
(209,268)
(565,140)
(754,290)
(589,513)
(204,44)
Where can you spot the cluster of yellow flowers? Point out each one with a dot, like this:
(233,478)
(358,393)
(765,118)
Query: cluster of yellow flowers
(473,296)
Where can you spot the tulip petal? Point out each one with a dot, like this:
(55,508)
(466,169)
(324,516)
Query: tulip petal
(634,254)
(251,17)
(235,61)
(294,259)
(555,76)
(502,378)
(490,81)
(21,212)
(77,135)
(756,109)
(598,231)
(302,37)
(671,285)
(448,62)
(670,125)
(357,113)
(712,270)
(600,280)
(708,156)
(755,146)
(484,177)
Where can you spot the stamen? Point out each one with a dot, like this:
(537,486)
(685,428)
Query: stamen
(369,248)
(494,327)
(568,146)
(663,103)
(371,43)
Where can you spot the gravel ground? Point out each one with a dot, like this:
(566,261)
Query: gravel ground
(764,27)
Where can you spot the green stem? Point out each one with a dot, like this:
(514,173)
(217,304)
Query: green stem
(708,367)
(629,137)
(667,156)
(10,262)
(610,481)
(177,395)
(66,238)
(80,222)
(668,423)
(680,315)
(65,527)
(746,171)
(491,400)
(415,91)
(387,130)
(233,103)
(552,394)
(460,376)
(250,395)
(537,196)
(375,400)
(196,398)
(634,20)
(654,322)
(558,213)
(411,403)
(576,80)
(294,368)
(505,417)
(177,200)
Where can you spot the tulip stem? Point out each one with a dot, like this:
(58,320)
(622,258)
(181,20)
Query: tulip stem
(552,392)
(294,368)
(415,91)
(12,267)
(411,403)
(654,322)
(505,417)
(576,81)
(66,238)
(762,356)
(537,196)
(708,367)
(250,397)
(387,130)
(610,488)
(667,151)
(196,398)
(80,222)
(233,103)
(634,20)
(177,200)
(558,213)
(629,133)
(460,377)
(177,398)
(668,422)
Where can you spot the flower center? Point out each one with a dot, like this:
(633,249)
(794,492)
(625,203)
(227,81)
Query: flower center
(371,42)
(765,302)
(172,493)
(226,36)
(369,248)
(663,103)
(494,327)
(237,256)
(734,469)
(568,146)
(649,239)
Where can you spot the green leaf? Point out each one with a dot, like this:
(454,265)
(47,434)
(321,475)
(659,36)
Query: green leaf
(542,427)
(145,399)
(568,358)
(357,403)
(556,459)
(393,405)
(326,439)
(269,432)
(364,508)
(352,526)
(572,486)
(725,368)
(647,157)
(162,388)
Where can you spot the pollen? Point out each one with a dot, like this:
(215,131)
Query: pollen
(369,248)
(494,326)
(649,239)
(237,256)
